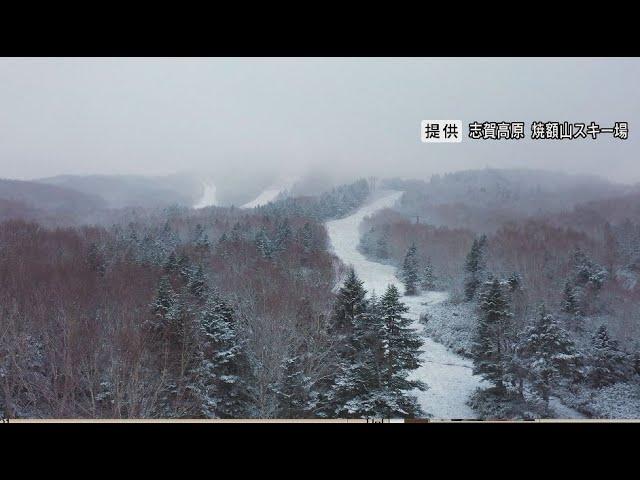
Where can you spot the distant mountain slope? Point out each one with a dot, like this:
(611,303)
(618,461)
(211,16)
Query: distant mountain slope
(184,189)
(484,199)
(134,190)
(525,189)
(49,198)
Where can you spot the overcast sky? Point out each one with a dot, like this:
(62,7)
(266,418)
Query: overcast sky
(159,116)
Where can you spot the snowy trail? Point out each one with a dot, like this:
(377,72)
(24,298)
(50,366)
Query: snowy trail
(268,195)
(448,375)
(271,193)
(209,197)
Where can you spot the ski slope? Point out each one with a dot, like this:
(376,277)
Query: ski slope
(208,198)
(447,375)
(266,196)
(271,193)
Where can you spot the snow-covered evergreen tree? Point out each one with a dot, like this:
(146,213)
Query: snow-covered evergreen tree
(607,363)
(263,243)
(382,349)
(185,269)
(222,247)
(283,235)
(409,273)
(348,326)
(401,354)
(295,392)
(428,279)
(582,286)
(198,283)
(546,352)
(306,237)
(515,282)
(474,266)
(201,239)
(490,346)
(350,305)
(236,232)
(221,376)
(586,271)
(165,298)
(171,264)
(168,238)
(571,304)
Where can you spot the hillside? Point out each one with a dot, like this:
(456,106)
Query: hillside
(485,199)
(31,199)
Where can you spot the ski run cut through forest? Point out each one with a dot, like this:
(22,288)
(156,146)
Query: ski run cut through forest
(382,298)
(448,376)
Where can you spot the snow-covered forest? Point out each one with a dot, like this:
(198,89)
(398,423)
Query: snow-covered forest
(300,237)
(480,294)
(213,312)
(542,294)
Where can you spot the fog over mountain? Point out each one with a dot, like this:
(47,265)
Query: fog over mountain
(270,239)
(287,116)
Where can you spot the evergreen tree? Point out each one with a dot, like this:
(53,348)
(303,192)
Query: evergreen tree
(201,239)
(582,285)
(165,298)
(221,376)
(236,232)
(222,247)
(635,361)
(571,304)
(147,251)
(348,394)
(409,272)
(490,347)
(263,244)
(168,239)
(382,247)
(474,266)
(586,271)
(607,363)
(515,282)
(306,237)
(546,352)
(428,280)
(185,268)
(373,379)
(171,265)
(401,348)
(350,304)
(283,235)
(294,392)
(198,283)
(133,235)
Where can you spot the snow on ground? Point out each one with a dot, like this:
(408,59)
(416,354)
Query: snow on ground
(271,193)
(208,196)
(562,411)
(452,324)
(448,375)
(268,195)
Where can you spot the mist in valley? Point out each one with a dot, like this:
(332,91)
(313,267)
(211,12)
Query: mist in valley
(269,238)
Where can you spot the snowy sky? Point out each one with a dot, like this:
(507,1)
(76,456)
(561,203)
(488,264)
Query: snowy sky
(158,116)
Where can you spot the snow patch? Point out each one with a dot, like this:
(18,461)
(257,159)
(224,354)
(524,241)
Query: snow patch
(208,198)
(270,194)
